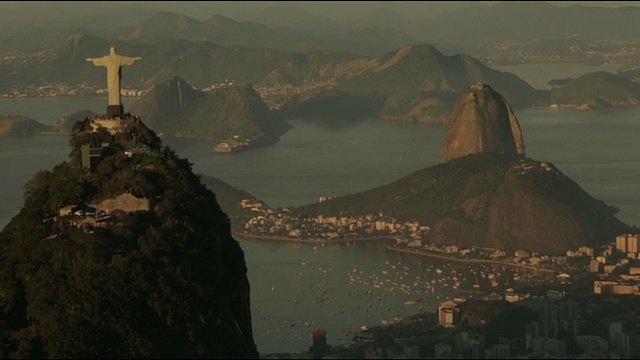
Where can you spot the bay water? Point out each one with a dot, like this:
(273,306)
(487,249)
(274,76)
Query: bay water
(296,288)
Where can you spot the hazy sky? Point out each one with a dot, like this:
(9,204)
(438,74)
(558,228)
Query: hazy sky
(331,9)
(342,9)
(47,10)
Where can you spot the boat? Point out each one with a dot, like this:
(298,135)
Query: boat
(476,285)
(223,147)
(226,147)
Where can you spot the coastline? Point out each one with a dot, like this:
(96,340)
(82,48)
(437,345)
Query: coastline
(307,241)
(470,261)
(390,248)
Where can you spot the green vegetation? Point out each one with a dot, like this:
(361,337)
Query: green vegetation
(425,195)
(497,319)
(487,200)
(422,84)
(237,110)
(14,125)
(598,89)
(170,282)
(176,109)
(229,198)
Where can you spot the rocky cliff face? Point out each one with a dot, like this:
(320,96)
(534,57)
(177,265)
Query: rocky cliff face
(482,121)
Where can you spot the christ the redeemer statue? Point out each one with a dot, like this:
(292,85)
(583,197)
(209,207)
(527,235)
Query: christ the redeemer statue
(114,62)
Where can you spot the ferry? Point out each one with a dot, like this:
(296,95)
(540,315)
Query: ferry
(223,147)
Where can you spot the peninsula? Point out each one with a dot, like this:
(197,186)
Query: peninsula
(485,193)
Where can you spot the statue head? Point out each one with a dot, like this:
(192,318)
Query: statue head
(112,51)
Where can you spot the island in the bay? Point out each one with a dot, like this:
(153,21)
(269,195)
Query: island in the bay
(234,116)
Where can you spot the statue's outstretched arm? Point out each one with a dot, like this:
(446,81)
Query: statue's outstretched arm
(97,61)
(126,60)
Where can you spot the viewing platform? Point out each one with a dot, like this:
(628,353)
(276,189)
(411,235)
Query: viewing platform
(113,124)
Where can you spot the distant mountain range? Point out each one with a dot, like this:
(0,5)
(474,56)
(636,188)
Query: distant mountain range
(405,81)
(530,20)
(371,40)
(372,30)
(469,24)
(421,83)
(413,83)
(160,26)
(416,83)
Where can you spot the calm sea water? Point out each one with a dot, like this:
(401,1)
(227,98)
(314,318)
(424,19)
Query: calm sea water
(297,288)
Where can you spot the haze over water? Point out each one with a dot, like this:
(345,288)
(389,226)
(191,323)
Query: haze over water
(295,289)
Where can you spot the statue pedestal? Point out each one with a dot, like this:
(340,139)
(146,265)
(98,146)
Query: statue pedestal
(115,111)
